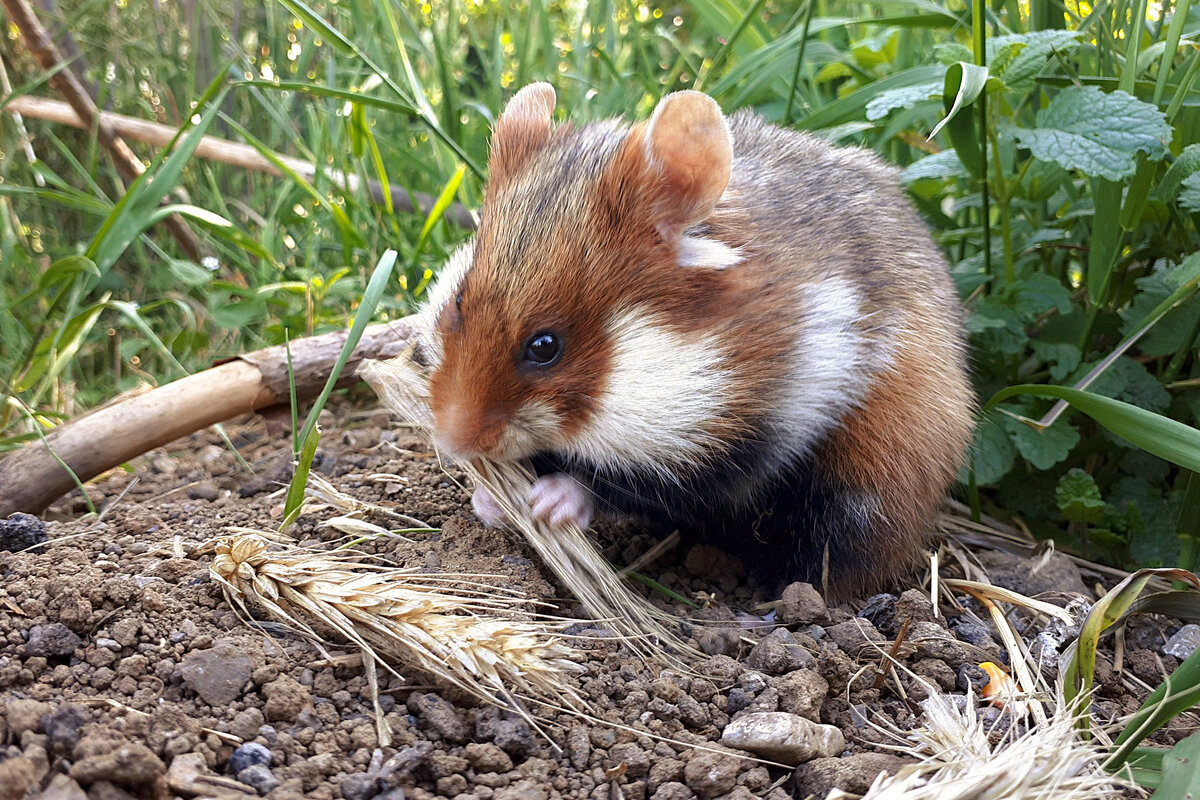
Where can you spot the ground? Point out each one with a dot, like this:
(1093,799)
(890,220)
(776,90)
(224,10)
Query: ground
(126,674)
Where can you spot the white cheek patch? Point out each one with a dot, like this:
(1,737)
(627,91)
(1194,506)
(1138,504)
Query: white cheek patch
(696,251)
(833,365)
(664,393)
(534,428)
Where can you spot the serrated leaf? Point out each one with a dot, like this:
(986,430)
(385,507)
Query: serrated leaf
(1078,497)
(1028,54)
(1042,179)
(1189,193)
(949,52)
(1038,293)
(1045,448)
(1170,332)
(938,166)
(1096,133)
(904,97)
(993,452)
(1063,357)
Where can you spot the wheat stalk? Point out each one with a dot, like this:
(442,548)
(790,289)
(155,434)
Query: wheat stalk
(473,635)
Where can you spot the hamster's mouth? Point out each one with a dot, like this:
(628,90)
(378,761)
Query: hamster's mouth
(535,428)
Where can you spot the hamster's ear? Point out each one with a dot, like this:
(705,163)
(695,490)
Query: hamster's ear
(687,142)
(521,130)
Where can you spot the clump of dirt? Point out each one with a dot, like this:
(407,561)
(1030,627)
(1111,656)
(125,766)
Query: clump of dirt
(126,675)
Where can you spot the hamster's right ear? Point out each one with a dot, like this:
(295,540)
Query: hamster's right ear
(522,130)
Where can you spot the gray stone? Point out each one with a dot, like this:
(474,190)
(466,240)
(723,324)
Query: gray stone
(1184,642)
(52,640)
(218,674)
(786,738)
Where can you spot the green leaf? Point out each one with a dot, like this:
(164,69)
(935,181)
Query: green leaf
(939,166)
(1028,55)
(1154,433)
(295,495)
(963,84)
(1038,293)
(234,316)
(905,97)
(1042,179)
(1189,195)
(1078,497)
(1181,771)
(1179,692)
(1043,448)
(1063,357)
(1186,164)
(1097,133)
(188,273)
(993,452)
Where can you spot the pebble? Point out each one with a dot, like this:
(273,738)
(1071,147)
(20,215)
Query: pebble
(854,773)
(880,610)
(441,717)
(783,737)
(62,726)
(62,788)
(52,640)
(218,674)
(259,777)
(801,604)
(1184,642)
(189,776)
(673,790)
(21,532)
(855,635)
(779,653)
(286,698)
(710,774)
(248,755)
(131,764)
(802,692)
(24,715)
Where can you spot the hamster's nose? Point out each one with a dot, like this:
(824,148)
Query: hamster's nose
(463,433)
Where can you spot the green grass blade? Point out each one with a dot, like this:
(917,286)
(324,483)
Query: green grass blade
(1176,694)
(295,495)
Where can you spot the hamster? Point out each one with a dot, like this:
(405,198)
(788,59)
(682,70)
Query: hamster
(711,324)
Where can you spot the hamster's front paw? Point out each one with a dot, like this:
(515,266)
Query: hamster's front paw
(487,509)
(560,499)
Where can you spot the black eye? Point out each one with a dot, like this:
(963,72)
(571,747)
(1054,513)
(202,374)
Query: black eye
(543,348)
(458,301)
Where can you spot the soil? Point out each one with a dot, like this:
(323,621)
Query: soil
(125,674)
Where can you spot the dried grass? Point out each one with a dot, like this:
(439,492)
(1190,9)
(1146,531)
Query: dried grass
(472,634)
(404,388)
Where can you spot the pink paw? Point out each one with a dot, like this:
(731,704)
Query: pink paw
(559,499)
(487,509)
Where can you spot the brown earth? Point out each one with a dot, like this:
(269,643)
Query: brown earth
(124,673)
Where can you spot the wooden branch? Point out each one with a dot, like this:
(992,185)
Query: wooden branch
(233,153)
(32,478)
(21,14)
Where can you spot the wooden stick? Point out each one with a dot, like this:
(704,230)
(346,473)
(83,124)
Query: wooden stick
(32,478)
(234,153)
(21,14)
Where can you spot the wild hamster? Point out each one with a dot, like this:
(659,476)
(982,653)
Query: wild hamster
(713,324)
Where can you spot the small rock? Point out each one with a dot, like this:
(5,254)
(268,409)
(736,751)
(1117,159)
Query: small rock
(247,723)
(973,633)
(62,788)
(636,762)
(934,641)
(442,717)
(673,790)
(218,674)
(915,606)
(247,755)
(258,777)
(360,786)
(801,604)
(783,737)
(52,640)
(522,790)
(21,532)
(880,609)
(189,776)
(131,764)
(1184,642)
(722,669)
(204,490)
(1046,573)
(286,699)
(854,773)
(62,727)
(971,676)
(486,757)
(802,692)
(25,715)
(855,635)
(17,776)
(508,731)
(778,653)
(710,774)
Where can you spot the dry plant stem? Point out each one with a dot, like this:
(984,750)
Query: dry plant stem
(21,14)
(235,154)
(31,478)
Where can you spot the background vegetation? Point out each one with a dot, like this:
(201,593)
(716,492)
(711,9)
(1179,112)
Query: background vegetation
(1069,233)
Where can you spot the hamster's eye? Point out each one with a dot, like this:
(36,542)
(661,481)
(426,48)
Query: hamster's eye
(458,301)
(543,349)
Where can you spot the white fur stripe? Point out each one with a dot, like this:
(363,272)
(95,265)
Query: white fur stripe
(696,251)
